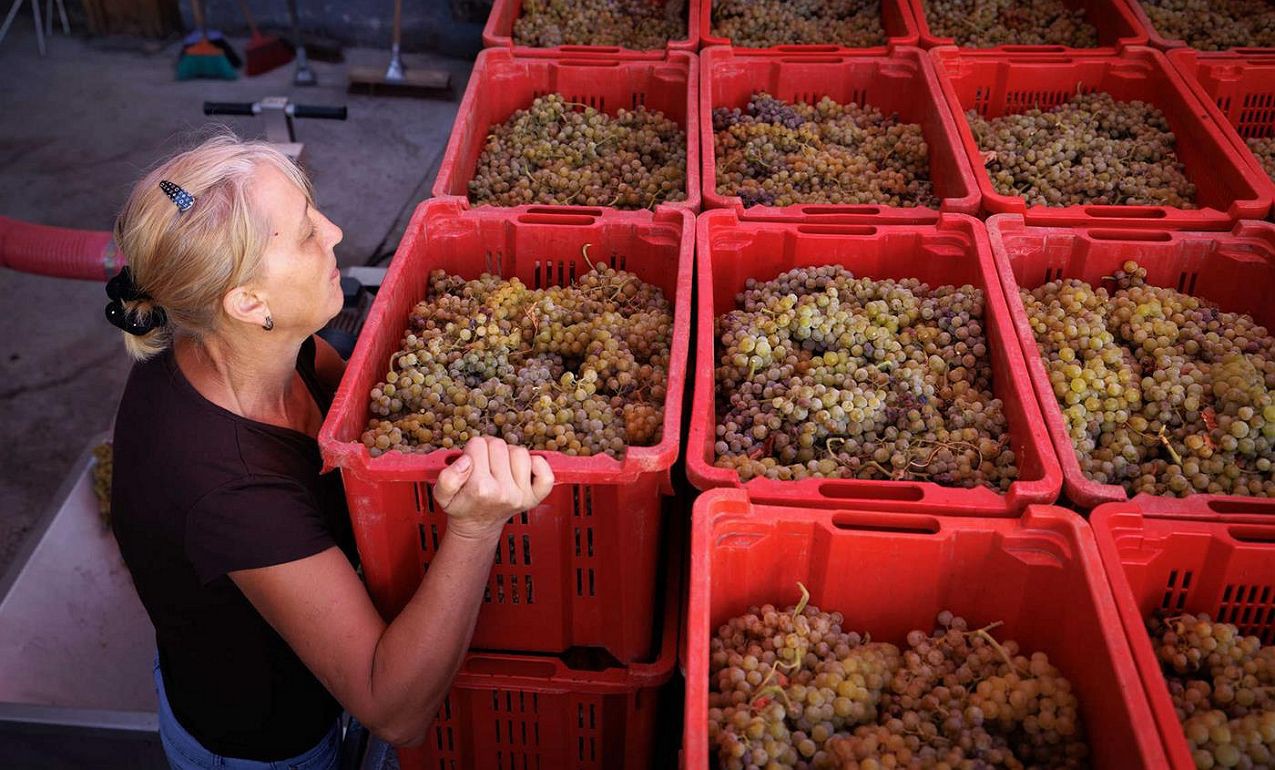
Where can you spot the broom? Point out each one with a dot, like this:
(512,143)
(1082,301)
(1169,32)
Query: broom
(265,52)
(203,59)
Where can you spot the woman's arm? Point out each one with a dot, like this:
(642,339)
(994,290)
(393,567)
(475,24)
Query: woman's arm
(394,678)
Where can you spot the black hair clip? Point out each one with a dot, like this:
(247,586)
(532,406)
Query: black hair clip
(183,199)
(121,289)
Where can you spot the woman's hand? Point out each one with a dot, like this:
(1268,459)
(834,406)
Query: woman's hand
(489,483)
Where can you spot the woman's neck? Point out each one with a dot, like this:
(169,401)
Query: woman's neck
(255,380)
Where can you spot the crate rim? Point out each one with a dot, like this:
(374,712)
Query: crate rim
(1187,62)
(712,56)
(929,40)
(1162,43)
(708,40)
(451,154)
(353,456)
(1079,490)
(991,503)
(698,634)
(1254,207)
(496,36)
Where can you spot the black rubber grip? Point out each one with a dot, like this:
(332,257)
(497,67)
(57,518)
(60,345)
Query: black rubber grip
(308,111)
(228,108)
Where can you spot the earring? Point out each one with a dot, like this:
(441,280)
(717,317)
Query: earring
(269,324)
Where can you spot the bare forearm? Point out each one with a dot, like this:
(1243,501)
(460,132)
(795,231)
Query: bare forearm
(438,620)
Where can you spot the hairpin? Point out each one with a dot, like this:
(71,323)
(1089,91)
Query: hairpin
(183,199)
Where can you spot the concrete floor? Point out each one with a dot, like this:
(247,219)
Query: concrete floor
(77,128)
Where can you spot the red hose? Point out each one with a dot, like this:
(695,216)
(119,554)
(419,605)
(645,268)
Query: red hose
(58,251)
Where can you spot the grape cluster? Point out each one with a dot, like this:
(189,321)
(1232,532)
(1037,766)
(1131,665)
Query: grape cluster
(1090,149)
(1264,149)
(1214,25)
(776,153)
(1223,689)
(561,152)
(637,24)
(1161,392)
(792,689)
(766,23)
(822,374)
(984,24)
(579,369)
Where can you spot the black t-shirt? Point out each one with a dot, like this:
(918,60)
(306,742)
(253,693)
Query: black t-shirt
(199,492)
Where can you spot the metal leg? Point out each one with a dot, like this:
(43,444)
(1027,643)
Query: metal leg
(39,27)
(66,27)
(48,18)
(13,11)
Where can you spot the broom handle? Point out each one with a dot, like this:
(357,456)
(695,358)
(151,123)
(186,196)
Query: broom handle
(252,23)
(398,22)
(198,13)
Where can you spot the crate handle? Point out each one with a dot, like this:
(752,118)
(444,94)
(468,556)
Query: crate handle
(865,230)
(1020,49)
(589,49)
(811,60)
(1252,534)
(588,63)
(908,524)
(508,665)
(804,49)
(1159,236)
(1246,506)
(820,210)
(872,490)
(1132,212)
(560,218)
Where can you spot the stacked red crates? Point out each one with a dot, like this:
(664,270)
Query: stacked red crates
(1239,88)
(1235,270)
(995,84)
(1214,557)
(580,570)
(953,250)
(889,573)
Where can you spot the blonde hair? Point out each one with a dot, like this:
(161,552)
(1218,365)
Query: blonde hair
(187,261)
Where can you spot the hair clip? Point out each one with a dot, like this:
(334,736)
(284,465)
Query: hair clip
(183,199)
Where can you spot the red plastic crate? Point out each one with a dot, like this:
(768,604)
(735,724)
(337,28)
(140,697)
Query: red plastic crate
(953,251)
(1241,86)
(1116,24)
(1236,270)
(1219,559)
(890,573)
(1165,43)
(498,33)
(526,712)
(896,20)
(502,83)
(995,84)
(903,82)
(579,570)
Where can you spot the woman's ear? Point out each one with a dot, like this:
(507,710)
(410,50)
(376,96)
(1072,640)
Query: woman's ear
(245,305)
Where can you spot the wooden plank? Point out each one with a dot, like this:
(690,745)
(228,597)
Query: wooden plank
(422,79)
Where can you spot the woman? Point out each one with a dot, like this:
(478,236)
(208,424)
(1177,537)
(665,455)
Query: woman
(240,550)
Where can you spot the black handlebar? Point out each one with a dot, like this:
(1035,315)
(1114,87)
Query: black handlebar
(228,108)
(309,111)
(294,110)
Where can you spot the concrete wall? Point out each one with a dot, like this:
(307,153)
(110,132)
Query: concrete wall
(452,27)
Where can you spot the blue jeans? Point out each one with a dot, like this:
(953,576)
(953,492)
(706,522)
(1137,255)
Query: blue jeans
(186,753)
